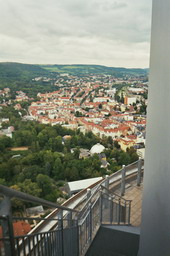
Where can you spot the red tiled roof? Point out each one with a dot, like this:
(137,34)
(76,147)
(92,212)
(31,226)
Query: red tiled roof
(20,228)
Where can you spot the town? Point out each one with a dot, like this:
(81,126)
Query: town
(107,106)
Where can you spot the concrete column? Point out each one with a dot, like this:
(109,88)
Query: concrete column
(155,228)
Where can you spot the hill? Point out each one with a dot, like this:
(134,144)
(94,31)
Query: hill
(19,76)
(11,70)
(95,69)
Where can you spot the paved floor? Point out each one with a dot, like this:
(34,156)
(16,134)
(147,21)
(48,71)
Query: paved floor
(134,193)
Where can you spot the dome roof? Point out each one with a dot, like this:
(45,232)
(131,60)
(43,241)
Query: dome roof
(97,149)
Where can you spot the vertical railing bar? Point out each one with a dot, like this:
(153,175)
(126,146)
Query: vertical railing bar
(10,228)
(125,213)
(48,247)
(60,236)
(129,212)
(111,211)
(41,244)
(57,238)
(78,234)
(29,244)
(45,244)
(49,243)
(23,242)
(34,249)
(52,243)
(101,208)
(119,213)
(38,245)
(17,246)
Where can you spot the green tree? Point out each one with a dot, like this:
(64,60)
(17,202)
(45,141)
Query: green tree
(124,159)
(30,187)
(5,142)
(57,172)
(45,184)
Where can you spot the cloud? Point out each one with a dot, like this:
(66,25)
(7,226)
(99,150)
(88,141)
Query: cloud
(114,33)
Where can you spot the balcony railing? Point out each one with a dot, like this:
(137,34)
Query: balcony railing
(71,231)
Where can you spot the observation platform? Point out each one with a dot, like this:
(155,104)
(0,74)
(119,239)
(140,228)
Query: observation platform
(111,205)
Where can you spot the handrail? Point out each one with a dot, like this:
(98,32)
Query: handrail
(9,192)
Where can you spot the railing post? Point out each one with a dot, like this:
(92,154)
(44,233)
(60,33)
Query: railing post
(7,226)
(129,212)
(78,236)
(101,207)
(122,190)
(111,210)
(60,225)
(88,195)
(139,172)
(119,205)
(90,221)
(90,214)
(106,183)
(69,219)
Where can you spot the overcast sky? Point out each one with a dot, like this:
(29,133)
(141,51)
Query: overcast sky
(106,32)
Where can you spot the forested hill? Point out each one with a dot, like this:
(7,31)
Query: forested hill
(10,71)
(95,69)
(19,76)
(17,71)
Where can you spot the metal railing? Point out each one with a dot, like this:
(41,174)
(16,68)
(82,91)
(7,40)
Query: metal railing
(45,243)
(103,207)
(70,232)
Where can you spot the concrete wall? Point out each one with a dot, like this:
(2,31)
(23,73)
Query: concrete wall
(155,229)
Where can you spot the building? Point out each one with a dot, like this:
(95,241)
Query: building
(74,187)
(97,149)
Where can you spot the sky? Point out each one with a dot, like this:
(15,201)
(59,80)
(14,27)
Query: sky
(113,33)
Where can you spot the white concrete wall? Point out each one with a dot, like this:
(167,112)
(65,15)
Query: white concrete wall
(155,229)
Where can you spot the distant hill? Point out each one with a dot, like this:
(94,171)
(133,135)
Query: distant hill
(19,76)
(95,69)
(11,70)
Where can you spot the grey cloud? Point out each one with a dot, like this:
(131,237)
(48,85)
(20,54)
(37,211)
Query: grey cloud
(69,30)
